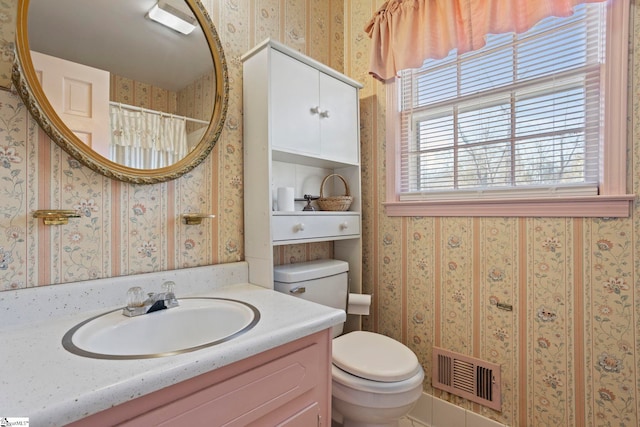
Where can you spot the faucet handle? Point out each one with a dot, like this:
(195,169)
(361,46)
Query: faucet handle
(169,295)
(135,297)
(168,287)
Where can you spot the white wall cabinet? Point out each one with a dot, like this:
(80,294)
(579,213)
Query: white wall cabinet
(301,123)
(312,113)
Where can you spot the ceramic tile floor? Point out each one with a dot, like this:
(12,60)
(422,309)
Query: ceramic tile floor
(408,422)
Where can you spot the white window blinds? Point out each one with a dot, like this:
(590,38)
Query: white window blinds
(521,116)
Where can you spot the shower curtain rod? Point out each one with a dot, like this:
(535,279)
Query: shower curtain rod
(161,113)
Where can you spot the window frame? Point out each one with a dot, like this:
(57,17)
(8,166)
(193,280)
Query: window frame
(612,200)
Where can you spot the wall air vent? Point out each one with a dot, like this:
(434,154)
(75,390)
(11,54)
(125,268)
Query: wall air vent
(473,379)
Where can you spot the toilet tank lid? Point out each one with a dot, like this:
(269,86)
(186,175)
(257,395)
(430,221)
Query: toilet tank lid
(309,270)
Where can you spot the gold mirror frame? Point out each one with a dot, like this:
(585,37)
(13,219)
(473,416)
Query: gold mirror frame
(26,82)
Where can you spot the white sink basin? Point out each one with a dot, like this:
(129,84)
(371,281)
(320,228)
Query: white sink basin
(196,323)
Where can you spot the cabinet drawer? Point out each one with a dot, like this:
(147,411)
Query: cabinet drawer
(316,227)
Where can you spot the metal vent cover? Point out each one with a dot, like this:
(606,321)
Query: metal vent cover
(473,379)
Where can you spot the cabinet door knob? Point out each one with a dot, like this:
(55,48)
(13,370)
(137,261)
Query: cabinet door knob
(299,227)
(324,114)
(315,110)
(344,225)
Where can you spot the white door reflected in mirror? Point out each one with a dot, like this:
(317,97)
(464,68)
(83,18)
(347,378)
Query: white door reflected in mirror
(80,96)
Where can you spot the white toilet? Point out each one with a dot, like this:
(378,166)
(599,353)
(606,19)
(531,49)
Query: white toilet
(376,379)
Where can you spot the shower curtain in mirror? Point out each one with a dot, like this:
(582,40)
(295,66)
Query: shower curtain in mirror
(146,140)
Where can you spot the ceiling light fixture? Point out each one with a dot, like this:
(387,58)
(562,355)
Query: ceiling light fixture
(171,17)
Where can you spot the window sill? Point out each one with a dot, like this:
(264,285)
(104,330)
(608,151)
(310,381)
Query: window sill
(618,206)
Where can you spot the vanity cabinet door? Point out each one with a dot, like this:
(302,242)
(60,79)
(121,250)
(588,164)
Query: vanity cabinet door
(259,396)
(308,417)
(289,385)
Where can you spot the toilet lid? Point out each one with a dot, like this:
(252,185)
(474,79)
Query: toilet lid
(374,357)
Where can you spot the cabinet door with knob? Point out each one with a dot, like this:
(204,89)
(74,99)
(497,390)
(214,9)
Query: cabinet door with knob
(294,109)
(312,113)
(338,120)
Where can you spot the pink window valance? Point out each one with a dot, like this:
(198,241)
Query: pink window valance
(404,33)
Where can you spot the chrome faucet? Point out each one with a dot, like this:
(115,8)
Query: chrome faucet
(137,305)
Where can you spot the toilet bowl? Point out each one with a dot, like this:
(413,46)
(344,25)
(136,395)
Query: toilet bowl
(376,380)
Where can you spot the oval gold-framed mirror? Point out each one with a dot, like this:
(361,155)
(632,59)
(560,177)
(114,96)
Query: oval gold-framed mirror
(195,146)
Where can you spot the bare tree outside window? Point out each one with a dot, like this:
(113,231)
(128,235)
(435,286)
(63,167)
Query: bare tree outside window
(518,113)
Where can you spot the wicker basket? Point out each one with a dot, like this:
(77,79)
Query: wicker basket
(335,203)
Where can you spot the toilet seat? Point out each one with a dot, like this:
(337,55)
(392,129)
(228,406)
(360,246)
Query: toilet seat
(344,380)
(374,357)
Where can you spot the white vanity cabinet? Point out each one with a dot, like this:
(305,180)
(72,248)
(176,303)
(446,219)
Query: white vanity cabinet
(301,123)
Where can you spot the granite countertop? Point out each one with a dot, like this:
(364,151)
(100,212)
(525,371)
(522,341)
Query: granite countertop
(51,386)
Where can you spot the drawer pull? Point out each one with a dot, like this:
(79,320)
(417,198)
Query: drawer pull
(299,227)
(298,290)
(344,225)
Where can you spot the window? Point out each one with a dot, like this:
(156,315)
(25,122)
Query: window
(524,126)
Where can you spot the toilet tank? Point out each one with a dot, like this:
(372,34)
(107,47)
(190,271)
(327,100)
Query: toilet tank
(323,281)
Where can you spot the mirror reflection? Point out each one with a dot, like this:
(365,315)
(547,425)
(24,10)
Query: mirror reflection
(132,89)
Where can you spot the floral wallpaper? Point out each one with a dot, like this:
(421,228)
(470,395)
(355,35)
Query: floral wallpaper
(570,347)
(8,13)
(130,229)
(139,94)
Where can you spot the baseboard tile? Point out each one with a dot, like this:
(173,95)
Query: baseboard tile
(434,412)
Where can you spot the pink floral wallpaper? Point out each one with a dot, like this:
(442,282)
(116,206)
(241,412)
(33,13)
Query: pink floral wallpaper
(569,349)
(128,229)
(8,11)
(131,92)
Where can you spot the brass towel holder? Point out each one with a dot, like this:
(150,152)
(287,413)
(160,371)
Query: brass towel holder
(195,218)
(56,216)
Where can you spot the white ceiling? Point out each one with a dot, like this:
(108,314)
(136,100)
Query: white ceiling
(114,35)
